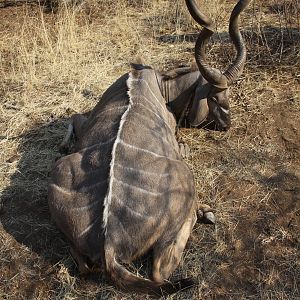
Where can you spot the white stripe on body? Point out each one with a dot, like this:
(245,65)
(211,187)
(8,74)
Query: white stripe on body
(88,228)
(142,172)
(137,188)
(147,151)
(107,201)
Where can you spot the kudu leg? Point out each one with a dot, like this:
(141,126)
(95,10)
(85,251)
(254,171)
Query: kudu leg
(205,214)
(63,147)
(167,258)
(81,263)
(184,150)
(75,127)
(78,121)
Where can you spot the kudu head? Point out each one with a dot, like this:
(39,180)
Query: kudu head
(210,101)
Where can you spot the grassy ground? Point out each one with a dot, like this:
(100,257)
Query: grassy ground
(52,65)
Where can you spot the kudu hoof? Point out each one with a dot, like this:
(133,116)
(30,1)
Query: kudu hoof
(205,215)
(184,150)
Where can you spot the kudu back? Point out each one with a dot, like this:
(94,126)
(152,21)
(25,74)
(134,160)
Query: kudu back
(125,189)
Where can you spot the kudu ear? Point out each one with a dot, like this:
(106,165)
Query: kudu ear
(199,108)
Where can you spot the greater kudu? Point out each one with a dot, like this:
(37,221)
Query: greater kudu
(125,189)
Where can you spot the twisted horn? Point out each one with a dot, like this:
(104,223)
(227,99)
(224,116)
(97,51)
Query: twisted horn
(198,16)
(211,75)
(236,68)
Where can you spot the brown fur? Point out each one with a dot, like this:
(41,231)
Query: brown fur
(152,194)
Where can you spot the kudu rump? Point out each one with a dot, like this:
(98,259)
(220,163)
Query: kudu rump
(125,189)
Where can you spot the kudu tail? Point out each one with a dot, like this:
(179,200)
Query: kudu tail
(130,282)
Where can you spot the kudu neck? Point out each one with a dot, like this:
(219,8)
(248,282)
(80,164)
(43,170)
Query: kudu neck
(178,91)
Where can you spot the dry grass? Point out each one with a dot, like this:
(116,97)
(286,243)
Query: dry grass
(52,65)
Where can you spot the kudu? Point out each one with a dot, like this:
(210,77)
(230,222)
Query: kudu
(125,189)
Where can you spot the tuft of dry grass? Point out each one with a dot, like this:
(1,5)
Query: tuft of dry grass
(53,65)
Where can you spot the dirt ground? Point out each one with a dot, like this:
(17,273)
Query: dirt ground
(52,65)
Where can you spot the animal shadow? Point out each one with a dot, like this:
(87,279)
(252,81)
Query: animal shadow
(25,214)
